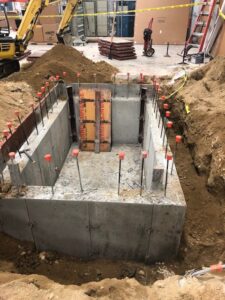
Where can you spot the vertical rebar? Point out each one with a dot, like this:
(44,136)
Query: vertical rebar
(22,127)
(119,178)
(78,169)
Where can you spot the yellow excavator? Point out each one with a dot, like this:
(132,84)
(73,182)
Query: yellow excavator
(12,50)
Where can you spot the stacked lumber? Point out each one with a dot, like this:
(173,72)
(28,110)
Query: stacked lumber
(119,49)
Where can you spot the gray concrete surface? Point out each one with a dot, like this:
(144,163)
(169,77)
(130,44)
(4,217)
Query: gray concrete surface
(157,65)
(99,222)
(53,138)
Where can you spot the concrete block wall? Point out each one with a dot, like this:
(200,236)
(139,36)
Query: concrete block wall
(90,229)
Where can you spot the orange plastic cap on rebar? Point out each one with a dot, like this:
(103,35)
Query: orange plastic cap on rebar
(39,94)
(57,77)
(17,113)
(168,114)
(78,74)
(178,138)
(43,89)
(75,152)
(48,157)
(169,156)
(47,83)
(169,124)
(121,155)
(163,98)
(5,133)
(9,125)
(64,74)
(144,154)
(166,106)
(12,155)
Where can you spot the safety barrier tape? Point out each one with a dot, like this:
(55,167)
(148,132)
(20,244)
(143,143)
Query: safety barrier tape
(187,5)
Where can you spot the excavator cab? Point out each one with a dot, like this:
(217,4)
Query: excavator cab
(7,48)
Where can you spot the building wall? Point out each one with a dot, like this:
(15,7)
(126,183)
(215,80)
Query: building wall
(169,25)
(219,48)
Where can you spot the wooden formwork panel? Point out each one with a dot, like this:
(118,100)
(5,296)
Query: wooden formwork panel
(95,119)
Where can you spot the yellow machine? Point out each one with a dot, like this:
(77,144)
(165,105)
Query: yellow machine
(12,50)
(64,34)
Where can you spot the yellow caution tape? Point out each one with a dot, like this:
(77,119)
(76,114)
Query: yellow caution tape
(187,108)
(221,14)
(180,87)
(106,13)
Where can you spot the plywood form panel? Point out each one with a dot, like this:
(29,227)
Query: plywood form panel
(88,119)
(169,25)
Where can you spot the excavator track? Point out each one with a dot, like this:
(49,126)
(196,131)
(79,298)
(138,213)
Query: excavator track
(8,67)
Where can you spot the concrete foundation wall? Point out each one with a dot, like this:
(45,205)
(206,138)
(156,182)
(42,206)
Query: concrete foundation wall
(125,110)
(93,229)
(155,163)
(125,120)
(54,139)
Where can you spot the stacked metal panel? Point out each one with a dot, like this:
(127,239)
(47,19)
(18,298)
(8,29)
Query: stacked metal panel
(119,49)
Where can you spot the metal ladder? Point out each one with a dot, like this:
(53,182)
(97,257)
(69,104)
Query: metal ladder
(200,30)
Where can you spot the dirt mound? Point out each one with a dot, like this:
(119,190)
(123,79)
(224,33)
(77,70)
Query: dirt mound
(204,126)
(14,96)
(61,59)
(13,286)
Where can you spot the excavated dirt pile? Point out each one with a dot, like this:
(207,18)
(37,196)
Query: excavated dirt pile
(61,59)
(17,287)
(204,125)
(14,96)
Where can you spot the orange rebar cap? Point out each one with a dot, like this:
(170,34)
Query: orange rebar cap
(169,156)
(48,157)
(178,138)
(121,155)
(169,124)
(144,154)
(12,155)
(168,114)
(75,152)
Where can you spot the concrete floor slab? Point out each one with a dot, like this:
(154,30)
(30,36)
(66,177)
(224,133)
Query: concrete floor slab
(157,65)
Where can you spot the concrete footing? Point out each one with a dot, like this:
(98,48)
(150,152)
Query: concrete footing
(98,222)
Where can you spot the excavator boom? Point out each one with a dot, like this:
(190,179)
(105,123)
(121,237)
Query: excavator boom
(64,34)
